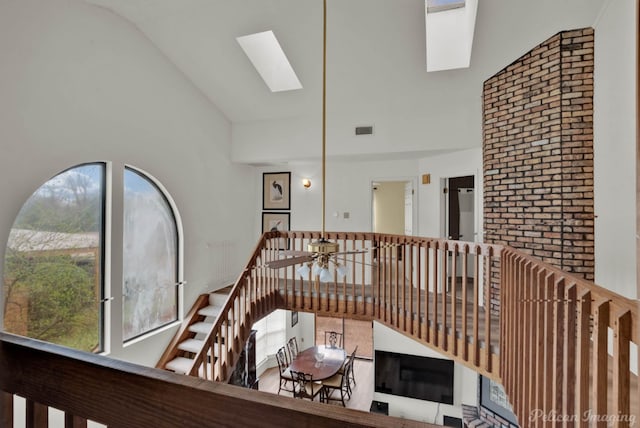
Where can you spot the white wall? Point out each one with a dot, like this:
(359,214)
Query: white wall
(348,190)
(79,84)
(465,381)
(615,148)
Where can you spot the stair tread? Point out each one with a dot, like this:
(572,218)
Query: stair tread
(195,346)
(210,311)
(180,365)
(191,345)
(201,327)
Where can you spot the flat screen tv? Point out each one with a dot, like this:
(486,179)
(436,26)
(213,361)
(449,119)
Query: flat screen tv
(424,378)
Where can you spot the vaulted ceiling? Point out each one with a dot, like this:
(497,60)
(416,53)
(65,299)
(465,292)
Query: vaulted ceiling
(376,70)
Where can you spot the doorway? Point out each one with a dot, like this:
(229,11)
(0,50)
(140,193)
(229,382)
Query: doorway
(356,333)
(393,206)
(459,195)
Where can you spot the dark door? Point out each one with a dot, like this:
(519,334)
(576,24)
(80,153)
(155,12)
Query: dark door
(457,185)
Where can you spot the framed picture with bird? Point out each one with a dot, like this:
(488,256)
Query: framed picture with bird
(276,191)
(275,221)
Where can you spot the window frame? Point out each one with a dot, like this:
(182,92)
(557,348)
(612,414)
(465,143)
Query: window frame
(179,279)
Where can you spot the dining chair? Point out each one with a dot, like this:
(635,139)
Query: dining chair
(285,373)
(306,387)
(292,347)
(333,339)
(339,382)
(351,379)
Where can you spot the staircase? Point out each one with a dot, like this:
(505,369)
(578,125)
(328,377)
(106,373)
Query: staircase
(541,332)
(179,356)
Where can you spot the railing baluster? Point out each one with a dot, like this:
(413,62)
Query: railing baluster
(582,359)
(436,262)
(527,337)
(548,341)
(6,409)
(621,367)
(600,359)
(444,284)
(540,338)
(464,308)
(72,421)
(558,346)
(419,283)
(454,286)
(37,415)
(570,354)
(488,309)
(476,308)
(427,280)
(396,283)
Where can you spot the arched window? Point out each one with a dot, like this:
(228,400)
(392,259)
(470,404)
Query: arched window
(53,265)
(151,276)
(54,287)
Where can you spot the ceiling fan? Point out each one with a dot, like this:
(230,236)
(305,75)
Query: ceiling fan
(321,252)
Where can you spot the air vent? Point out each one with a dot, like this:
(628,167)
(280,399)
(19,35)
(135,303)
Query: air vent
(364,130)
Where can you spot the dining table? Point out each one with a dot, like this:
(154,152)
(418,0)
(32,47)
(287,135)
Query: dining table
(320,361)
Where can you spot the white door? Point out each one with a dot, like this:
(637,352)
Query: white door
(408,208)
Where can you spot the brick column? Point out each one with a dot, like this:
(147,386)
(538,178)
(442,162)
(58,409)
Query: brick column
(538,153)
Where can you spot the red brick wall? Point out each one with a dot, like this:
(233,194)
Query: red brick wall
(538,153)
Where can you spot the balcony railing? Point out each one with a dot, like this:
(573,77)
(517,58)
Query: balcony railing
(560,345)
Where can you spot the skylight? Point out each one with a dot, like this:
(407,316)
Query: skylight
(434,6)
(449,34)
(267,56)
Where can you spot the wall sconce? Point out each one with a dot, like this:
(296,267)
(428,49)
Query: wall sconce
(306,183)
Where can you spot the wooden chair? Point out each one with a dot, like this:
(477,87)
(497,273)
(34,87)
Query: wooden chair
(292,347)
(333,339)
(352,377)
(285,373)
(339,382)
(306,387)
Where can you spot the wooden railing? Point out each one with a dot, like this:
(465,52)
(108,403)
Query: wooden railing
(541,332)
(121,395)
(555,363)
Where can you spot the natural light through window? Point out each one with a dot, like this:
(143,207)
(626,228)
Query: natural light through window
(150,295)
(434,6)
(271,334)
(269,59)
(449,34)
(53,287)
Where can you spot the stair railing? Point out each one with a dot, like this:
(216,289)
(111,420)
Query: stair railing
(494,309)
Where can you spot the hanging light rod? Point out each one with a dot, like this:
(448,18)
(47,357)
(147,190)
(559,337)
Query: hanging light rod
(323,246)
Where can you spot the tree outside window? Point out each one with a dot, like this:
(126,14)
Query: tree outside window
(53,261)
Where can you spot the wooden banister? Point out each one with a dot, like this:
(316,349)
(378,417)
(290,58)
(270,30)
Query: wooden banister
(120,394)
(541,332)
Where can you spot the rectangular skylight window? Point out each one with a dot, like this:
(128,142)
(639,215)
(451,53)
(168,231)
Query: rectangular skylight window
(269,59)
(450,36)
(442,5)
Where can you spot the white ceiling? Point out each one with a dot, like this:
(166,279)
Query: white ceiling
(375,54)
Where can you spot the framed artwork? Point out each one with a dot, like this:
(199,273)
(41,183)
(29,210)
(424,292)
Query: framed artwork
(273,221)
(276,191)
(294,318)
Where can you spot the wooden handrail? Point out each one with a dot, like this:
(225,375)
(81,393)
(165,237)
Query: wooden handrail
(558,344)
(120,394)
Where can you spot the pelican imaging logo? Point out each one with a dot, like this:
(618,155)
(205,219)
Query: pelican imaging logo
(539,415)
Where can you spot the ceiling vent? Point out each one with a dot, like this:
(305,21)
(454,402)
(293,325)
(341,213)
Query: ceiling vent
(364,130)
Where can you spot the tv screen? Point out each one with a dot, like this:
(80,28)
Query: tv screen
(424,378)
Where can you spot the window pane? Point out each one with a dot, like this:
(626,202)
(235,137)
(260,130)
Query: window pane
(53,262)
(150,253)
(270,335)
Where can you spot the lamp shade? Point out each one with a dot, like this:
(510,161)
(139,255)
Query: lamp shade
(326,275)
(303,271)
